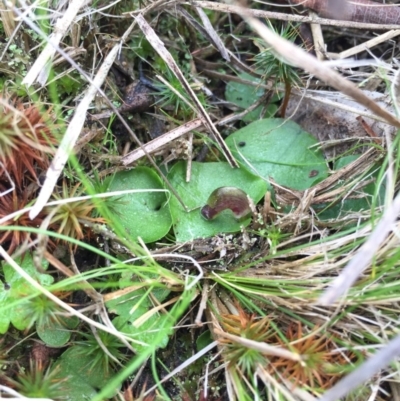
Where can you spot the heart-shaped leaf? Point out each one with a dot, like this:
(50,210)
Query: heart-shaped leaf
(207,177)
(280,149)
(143,214)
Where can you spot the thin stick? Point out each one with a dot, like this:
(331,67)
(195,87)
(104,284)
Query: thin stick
(228,8)
(318,38)
(203,304)
(157,143)
(369,44)
(262,347)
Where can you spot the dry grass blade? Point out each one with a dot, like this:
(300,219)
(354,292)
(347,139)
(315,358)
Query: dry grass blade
(7,18)
(211,31)
(71,135)
(366,45)
(185,364)
(161,141)
(364,256)
(395,91)
(39,69)
(158,45)
(273,350)
(369,368)
(287,389)
(87,287)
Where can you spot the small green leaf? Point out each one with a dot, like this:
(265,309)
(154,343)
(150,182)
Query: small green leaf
(203,340)
(77,362)
(126,303)
(54,332)
(207,177)
(54,335)
(12,276)
(282,150)
(15,288)
(144,214)
(244,96)
(131,307)
(146,332)
(77,389)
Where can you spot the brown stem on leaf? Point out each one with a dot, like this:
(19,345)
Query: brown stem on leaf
(285,102)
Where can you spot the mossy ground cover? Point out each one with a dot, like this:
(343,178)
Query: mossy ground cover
(196,271)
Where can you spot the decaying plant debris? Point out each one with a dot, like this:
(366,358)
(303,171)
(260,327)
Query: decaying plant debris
(297,303)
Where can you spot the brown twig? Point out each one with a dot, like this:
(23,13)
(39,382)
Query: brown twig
(354,10)
(229,8)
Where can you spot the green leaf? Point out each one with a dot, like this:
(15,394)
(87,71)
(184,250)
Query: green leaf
(203,340)
(76,372)
(54,332)
(15,288)
(131,307)
(143,214)
(146,332)
(139,298)
(67,84)
(5,315)
(77,389)
(280,149)
(205,178)
(78,363)
(244,96)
